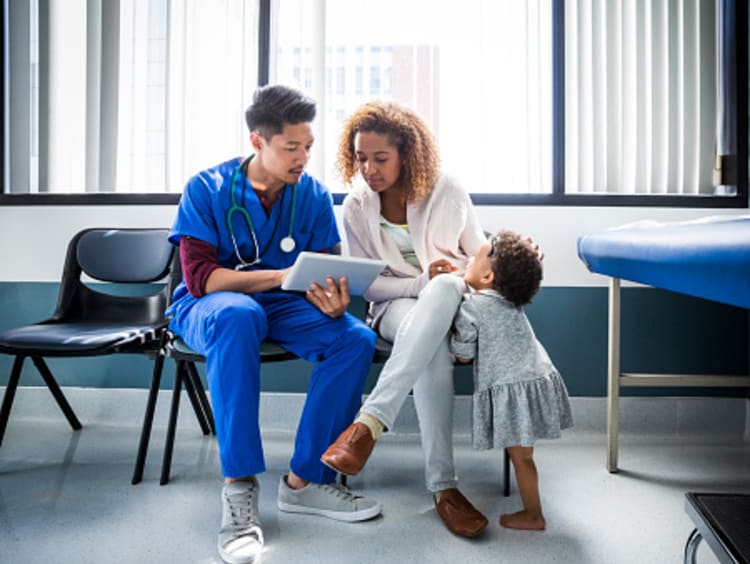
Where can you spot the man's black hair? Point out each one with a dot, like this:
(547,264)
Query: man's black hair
(275,105)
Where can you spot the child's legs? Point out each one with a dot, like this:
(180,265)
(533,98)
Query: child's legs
(528,486)
(526,477)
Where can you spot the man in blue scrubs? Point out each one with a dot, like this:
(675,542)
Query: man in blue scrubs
(240,226)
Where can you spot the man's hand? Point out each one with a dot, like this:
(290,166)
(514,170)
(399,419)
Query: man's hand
(331,300)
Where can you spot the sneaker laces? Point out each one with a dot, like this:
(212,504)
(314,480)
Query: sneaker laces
(340,490)
(242,509)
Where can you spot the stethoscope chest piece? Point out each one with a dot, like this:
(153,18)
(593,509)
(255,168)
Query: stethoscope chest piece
(287,244)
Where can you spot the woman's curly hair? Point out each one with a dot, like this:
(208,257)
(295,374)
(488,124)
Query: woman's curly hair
(417,149)
(516,267)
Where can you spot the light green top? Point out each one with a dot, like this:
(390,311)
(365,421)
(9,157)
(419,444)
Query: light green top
(400,235)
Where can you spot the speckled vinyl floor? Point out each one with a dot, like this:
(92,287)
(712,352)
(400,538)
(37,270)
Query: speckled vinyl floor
(66,497)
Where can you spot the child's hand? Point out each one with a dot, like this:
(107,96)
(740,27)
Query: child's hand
(441,266)
(462,360)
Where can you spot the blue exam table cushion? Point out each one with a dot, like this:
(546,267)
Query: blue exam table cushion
(708,258)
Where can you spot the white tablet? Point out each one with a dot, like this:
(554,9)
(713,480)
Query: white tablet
(316,267)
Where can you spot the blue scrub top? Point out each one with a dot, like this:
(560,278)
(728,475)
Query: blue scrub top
(202,214)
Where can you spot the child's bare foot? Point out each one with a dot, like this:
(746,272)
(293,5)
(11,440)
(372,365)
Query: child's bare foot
(523,520)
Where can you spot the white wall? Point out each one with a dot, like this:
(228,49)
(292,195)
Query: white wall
(33,239)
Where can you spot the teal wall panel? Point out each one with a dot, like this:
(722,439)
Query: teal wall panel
(661,332)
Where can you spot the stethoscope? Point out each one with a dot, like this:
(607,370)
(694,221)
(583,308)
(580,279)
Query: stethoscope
(287,244)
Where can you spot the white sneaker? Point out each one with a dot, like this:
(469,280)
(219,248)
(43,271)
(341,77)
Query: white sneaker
(240,536)
(329,500)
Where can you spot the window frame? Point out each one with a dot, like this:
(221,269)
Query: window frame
(558,197)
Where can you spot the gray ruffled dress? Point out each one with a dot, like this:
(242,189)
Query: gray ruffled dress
(519,396)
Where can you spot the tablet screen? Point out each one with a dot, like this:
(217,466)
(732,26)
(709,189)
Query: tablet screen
(316,267)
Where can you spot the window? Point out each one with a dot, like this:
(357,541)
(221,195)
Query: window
(127,96)
(532,101)
(632,111)
(484,125)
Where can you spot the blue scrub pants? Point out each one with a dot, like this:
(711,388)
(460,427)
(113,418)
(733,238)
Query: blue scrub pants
(228,328)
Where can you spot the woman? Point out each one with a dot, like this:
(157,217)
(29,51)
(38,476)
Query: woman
(423,225)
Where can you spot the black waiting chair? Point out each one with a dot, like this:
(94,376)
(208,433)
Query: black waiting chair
(89,321)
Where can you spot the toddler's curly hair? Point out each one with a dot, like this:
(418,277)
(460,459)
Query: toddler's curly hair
(516,266)
(407,132)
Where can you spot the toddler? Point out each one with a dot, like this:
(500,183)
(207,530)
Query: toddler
(519,396)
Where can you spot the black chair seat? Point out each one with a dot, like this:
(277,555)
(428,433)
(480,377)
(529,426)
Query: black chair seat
(269,352)
(77,338)
(382,350)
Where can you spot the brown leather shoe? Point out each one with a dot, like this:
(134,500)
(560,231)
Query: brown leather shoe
(351,450)
(458,514)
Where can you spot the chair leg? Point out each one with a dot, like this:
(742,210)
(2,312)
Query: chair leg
(506,473)
(202,397)
(197,405)
(691,547)
(166,464)
(49,379)
(148,420)
(10,394)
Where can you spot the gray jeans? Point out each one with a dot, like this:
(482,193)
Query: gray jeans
(421,360)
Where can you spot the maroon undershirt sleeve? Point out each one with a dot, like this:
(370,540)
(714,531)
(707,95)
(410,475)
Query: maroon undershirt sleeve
(199,259)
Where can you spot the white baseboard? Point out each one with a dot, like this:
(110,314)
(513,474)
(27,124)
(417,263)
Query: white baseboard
(280,411)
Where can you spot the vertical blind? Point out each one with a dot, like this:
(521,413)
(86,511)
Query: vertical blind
(128,96)
(640,96)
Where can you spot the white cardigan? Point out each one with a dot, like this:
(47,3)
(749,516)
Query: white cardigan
(443,225)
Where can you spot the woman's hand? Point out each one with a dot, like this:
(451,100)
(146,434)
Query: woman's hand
(535,246)
(441,266)
(331,300)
